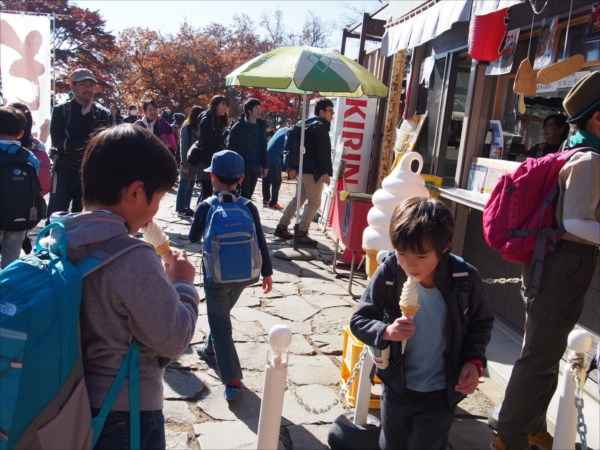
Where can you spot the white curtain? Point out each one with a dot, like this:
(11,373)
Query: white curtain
(25,66)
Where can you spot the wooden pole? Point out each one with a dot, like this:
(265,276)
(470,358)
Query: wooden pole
(391,120)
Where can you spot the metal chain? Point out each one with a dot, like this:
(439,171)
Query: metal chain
(577,362)
(501,280)
(343,390)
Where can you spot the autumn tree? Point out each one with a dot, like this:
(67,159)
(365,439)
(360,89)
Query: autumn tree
(80,40)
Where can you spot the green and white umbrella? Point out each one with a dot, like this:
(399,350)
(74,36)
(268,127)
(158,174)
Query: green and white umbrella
(304,70)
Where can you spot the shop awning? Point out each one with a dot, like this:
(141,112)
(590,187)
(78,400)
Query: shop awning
(432,19)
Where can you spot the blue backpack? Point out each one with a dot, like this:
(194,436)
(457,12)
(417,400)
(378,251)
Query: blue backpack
(44,401)
(231,256)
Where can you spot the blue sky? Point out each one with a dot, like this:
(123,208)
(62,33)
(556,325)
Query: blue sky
(166,15)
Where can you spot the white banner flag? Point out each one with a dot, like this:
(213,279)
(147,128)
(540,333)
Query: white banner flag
(26,69)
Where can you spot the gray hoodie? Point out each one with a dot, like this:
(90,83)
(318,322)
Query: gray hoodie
(130,296)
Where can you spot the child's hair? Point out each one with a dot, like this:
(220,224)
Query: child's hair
(421,224)
(12,121)
(250,104)
(227,181)
(116,157)
(28,122)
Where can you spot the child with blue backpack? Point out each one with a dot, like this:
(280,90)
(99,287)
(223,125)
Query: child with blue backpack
(445,352)
(235,253)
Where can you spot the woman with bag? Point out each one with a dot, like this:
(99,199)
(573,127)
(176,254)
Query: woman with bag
(212,123)
(187,174)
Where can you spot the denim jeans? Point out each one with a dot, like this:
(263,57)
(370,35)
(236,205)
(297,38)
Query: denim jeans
(115,434)
(272,181)
(66,188)
(11,246)
(219,303)
(415,420)
(184,194)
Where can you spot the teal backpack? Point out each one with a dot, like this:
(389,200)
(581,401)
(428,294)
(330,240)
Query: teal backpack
(43,398)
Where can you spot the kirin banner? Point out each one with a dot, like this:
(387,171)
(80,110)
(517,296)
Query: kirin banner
(25,65)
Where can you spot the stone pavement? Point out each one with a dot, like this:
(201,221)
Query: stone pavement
(314,303)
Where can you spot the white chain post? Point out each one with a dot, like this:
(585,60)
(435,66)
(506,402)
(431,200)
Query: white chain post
(271,407)
(569,419)
(363,397)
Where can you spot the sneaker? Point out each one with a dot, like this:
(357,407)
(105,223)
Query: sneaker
(497,444)
(277,206)
(540,441)
(185,213)
(207,355)
(266,202)
(232,391)
(304,240)
(283,233)
(190,212)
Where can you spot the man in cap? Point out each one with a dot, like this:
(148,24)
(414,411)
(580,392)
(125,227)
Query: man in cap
(71,126)
(566,277)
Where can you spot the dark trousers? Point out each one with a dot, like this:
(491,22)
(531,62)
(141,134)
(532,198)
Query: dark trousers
(272,182)
(116,434)
(249,184)
(415,420)
(551,316)
(207,191)
(66,189)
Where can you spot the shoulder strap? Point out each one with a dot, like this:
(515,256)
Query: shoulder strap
(107,252)
(391,290)
(243,201)
(460,283)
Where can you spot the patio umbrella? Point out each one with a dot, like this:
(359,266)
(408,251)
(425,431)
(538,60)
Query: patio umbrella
(304,70)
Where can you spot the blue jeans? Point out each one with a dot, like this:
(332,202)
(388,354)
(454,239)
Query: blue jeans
(272,181)
(219,303)
(66,188)
(11,246)
(184,194)
(415,420)
(115,434)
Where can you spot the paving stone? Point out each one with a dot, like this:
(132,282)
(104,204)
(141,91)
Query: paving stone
(254,380)
(202,324)
(228,435)
(313,370)
(176,440)
(215,405)
(287,274)
(325,301)
(198,337)
(308,437)
(268,321)
(332,321)
(257,292)
(248,300)
(300,346)
(292,308)
(323,288)
(177,412)
(187,360)
(330,344)
(316,396)
(179,385)
(286,288)
(252,355)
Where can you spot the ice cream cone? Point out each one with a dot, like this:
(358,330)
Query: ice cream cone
(164,248)
(408,311)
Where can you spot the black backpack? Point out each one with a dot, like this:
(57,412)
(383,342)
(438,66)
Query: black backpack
(21,206)
(291,146)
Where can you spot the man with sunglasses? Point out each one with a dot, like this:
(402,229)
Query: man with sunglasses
(316,170)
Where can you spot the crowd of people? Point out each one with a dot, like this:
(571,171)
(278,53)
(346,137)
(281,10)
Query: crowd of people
(135,296)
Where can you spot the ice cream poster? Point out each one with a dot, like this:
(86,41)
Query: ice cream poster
(26,68)
(592,32)
(503,65)
(544,53)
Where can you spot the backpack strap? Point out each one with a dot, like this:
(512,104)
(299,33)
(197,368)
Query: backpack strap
(460,283)
(67,114)
(107,252)
(391,290)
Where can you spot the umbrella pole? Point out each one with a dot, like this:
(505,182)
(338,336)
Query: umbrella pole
(299,188)
(295,254)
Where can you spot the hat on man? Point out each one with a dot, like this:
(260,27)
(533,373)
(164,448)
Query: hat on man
(178,119)
(583,97)
(82,74)
(227,164)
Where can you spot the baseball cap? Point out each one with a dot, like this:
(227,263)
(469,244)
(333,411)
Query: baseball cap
(82,74)
(583,97)
(227,164)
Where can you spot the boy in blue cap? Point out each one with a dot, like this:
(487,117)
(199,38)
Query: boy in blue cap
(226,172)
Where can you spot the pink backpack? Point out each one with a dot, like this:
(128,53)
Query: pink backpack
(518,219)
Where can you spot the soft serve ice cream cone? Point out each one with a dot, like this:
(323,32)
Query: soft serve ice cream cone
(155,236)
(409,301)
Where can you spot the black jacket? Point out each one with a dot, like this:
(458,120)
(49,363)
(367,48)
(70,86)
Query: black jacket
(118,120)
(70,130)
(464,340)
(240,142)
(211,139)
(317,159)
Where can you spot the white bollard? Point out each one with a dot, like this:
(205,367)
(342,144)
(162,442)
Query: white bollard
(565,432)
(363,397)
(271,406)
